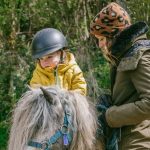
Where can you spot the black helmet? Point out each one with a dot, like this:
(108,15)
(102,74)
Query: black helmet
(47,41)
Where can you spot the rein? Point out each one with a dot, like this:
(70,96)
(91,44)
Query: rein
(63,132)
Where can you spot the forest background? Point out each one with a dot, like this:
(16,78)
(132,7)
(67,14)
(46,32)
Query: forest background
(21,19)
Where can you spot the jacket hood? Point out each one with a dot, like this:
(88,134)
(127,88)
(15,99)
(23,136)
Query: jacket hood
(68,63)
(127,37)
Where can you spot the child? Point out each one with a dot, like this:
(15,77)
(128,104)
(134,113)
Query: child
(55,65)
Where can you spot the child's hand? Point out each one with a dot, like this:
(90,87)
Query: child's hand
(36,85)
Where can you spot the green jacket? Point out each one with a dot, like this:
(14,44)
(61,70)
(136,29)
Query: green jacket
(131,90)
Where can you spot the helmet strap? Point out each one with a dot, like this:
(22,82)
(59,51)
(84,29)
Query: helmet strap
(61,57)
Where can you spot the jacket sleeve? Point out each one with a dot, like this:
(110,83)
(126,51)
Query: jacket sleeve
(78,81)
(35,80)
(134,113)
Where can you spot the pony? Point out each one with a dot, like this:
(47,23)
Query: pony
(51,118)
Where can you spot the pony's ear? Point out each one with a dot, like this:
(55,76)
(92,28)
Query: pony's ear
(47,95)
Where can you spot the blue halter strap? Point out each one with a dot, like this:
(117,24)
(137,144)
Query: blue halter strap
(63,132)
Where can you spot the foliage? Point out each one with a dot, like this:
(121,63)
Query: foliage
(21,19)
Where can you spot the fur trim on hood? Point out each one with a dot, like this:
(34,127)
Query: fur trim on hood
(127,37)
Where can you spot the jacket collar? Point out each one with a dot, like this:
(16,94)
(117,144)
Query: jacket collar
(68,63)
(127,37)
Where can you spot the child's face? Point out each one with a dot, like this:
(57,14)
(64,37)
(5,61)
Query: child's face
(50,60)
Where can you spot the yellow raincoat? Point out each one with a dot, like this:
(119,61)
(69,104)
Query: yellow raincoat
(67,75)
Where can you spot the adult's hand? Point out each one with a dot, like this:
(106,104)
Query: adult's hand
(104,102)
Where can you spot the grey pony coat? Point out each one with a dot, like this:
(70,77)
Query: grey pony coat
(131,89)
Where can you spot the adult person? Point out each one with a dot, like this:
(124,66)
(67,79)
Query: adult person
(127,49)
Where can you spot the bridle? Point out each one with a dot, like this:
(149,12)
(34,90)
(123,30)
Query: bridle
(63,132)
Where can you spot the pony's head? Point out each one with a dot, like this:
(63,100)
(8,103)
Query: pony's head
(59,117)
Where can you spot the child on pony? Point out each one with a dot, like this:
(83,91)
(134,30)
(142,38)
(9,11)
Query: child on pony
(55,64)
